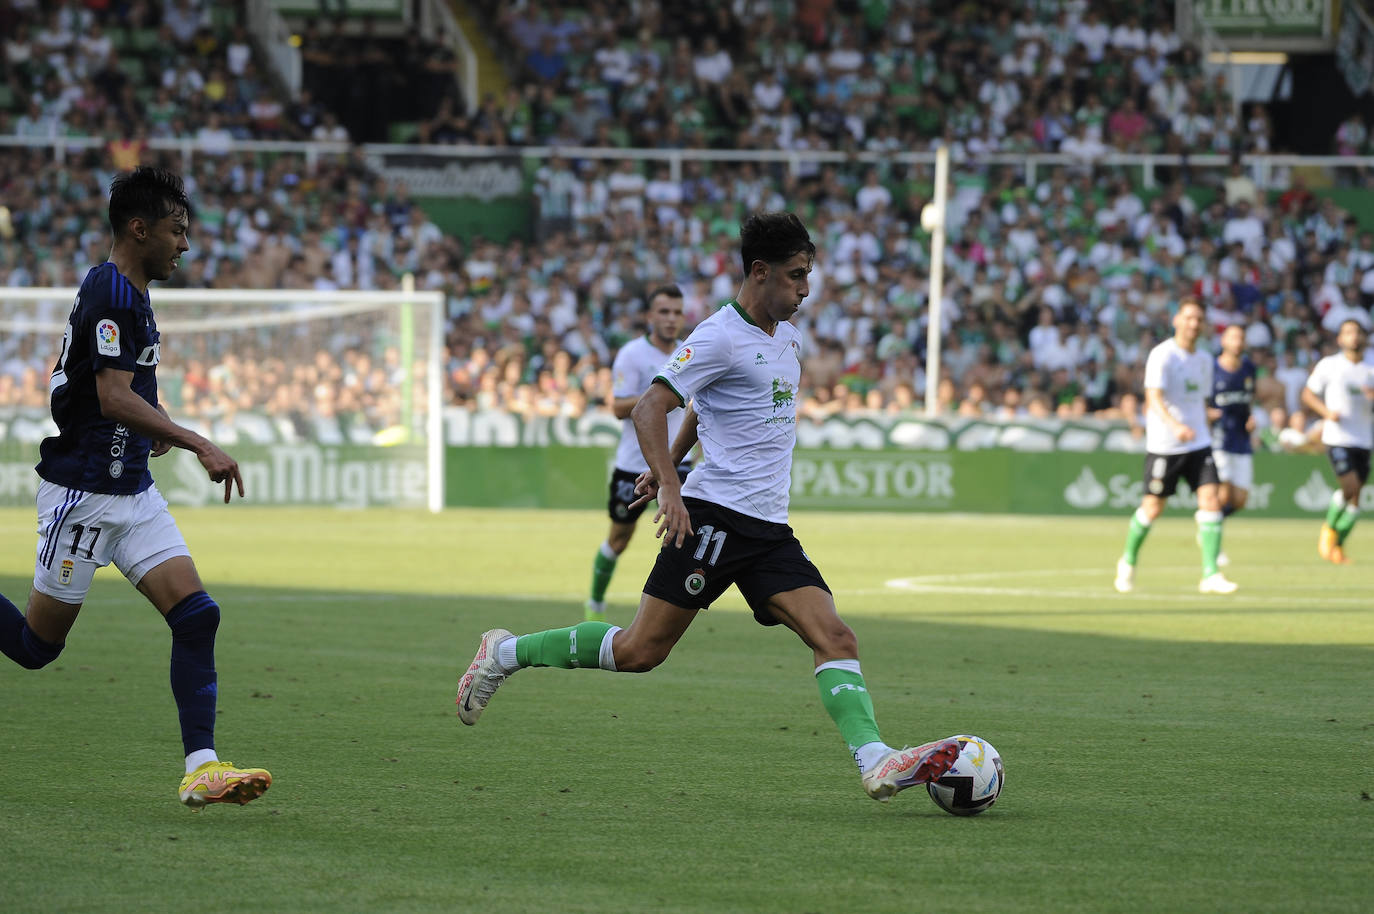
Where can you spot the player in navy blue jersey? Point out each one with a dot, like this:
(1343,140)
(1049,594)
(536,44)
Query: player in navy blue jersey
(96,499)
(1229,408)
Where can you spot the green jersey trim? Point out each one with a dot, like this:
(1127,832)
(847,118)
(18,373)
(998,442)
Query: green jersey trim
(742,313)
(669,384)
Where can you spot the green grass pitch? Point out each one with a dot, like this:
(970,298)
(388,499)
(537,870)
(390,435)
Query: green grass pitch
(1164,751)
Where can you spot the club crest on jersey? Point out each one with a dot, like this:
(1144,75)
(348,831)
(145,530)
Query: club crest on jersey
(65,575)
(677,362)
(107,337)
(695,583)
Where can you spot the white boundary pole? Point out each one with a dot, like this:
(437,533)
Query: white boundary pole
(933,220)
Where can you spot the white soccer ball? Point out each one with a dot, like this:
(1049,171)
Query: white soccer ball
(974,782)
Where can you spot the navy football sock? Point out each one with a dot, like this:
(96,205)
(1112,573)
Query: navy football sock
(19,643)
(193,622)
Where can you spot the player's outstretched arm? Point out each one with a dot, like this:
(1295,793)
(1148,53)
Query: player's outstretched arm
(119,403)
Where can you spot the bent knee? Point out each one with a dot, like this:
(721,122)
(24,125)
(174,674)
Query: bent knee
(838,640)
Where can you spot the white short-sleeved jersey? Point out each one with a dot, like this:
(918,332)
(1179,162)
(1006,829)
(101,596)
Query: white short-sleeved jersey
(1185,379)
(632,372)
(743,385)
(1341,383)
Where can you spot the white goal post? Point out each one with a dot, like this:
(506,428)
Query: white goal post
(335,396)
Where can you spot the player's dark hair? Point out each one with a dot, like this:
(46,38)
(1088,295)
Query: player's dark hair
(1351,320)
(147,192)
(772,238)
(669,289)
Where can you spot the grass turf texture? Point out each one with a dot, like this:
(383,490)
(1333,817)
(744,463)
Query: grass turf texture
(1164,751)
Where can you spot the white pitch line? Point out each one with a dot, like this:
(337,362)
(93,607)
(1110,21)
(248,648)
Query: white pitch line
(949,584)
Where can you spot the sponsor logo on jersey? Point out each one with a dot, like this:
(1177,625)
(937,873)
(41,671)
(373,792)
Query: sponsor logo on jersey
(783,397)
(116,469)
(65,575)
(759,359)
(107,337)
(681,359)
(1191,386)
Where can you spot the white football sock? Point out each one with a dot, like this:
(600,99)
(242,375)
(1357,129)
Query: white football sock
(200,757)
(868,754)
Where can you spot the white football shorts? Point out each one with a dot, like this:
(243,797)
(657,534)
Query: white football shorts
(79,532)
(1236,469)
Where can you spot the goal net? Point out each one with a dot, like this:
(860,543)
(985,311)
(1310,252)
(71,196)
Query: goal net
(323,398)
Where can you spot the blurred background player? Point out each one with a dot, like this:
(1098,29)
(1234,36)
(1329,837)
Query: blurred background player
(1339,390)
(96,499)
(1178,443)
(1229,408)
(633,371)
(739,370)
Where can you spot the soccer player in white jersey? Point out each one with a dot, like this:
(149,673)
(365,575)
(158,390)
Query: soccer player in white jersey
(97,503)
(633,371)
(1178,444)
(1339,390)
(727,524)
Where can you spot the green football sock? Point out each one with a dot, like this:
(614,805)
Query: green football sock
(1209,538)
(847,702)
(1333,510)
(565,648)
(1135,537)
(603,567)
(1345,523)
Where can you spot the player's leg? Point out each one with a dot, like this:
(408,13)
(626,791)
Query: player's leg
(603,567)
(1160,477)
(645,644)
(677,586)
(35,637)
(70,549)
(623,519)
(154,557)
(1351,483)
(1237,474)
(1208,519)
(1344,464)
(810,612)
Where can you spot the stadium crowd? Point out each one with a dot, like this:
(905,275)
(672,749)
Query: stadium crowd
(1055,291)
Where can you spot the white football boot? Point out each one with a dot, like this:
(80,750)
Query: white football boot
(1216,583)
(1125,576)
(903,768)
(483,677)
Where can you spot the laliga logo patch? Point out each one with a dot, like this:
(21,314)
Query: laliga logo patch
(65,577)
(695,583)
(107,337)
(681,359)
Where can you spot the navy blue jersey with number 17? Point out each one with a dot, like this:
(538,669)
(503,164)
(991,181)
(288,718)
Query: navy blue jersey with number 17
(1233,392)
(111,326)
